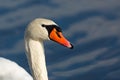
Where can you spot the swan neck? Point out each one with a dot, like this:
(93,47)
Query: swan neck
(36,59)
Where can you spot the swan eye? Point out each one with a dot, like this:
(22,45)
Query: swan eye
(43,25)
(50,27)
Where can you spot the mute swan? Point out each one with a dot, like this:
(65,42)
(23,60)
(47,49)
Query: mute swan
(37,31)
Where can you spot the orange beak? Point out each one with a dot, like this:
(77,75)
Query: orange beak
(59,38)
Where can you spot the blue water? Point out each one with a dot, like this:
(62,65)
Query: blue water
(92,26)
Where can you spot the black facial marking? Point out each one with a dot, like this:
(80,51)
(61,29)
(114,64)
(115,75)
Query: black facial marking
(58,29)
(58,34)
(51,27)
(43,25)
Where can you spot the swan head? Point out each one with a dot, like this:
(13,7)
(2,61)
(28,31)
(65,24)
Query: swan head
(44,29)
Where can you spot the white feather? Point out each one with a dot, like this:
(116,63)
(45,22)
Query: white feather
(9,70)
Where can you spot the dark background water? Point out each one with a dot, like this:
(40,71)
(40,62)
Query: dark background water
(93,26)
